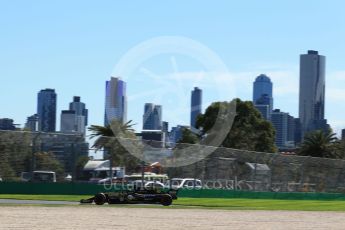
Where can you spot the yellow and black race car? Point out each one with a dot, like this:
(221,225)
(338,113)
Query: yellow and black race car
(141,195)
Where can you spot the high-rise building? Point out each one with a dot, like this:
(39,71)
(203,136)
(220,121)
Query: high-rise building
(312,92)
(265,111)
(291,130)
(280,122)
(46,110)
(7,124)
(66,148)
(68,121)
(165,126)
(115,101)
(79,108)
(298,131)
(152,118)
(262,91)
(32,123)
(196,103)
(148,116)
(176,133)
(74,120)
(157,117)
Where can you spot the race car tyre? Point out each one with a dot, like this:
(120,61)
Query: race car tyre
(166,200)
(100,199)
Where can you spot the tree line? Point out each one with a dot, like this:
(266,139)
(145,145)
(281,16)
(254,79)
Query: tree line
(250,131)
(17,155)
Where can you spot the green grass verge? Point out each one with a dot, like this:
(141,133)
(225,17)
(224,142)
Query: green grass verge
(44,197)
(214,203)
(262,204)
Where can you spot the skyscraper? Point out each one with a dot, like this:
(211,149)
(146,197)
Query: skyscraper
(79,108)
(165,126)
(280,122)
(68,121)
(157,117)
(115,101)
(265,111)
(284,125)
(298,131)
(264,105)
(74,120)
(148,116)
(262,91)
(152,118)
(176,133)
(46,110)
(196,102)
(312,92)
(291,130)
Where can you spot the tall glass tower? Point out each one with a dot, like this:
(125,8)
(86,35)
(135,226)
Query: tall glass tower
(74,120)
(312,92)
(196,101)
(262,91)
(115,101)
(152,118)
(79,108)
(46,110)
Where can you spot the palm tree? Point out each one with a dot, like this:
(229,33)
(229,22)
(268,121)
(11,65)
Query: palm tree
(105,134)
(319,144)
(107,139)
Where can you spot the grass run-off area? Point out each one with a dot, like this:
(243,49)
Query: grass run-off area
(215,203)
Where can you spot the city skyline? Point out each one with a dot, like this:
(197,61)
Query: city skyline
(115,96)
(54,55)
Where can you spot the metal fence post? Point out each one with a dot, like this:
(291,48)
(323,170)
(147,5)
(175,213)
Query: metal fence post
(74,165)
(254,178)
(33,152)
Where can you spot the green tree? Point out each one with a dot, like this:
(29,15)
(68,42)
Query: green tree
(81,162)
(189,137)
(46,161)
(250,131)
(15,151)
(107,139)
(320,144)
(339,148)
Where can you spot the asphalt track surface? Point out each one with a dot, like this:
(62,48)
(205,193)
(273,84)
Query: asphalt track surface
(96,217)
(47,202)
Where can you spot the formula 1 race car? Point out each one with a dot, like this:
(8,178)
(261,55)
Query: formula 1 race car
(133,197)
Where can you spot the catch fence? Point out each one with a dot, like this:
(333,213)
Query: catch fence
(216,167)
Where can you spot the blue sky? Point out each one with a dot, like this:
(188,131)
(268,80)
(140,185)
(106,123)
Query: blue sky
(74,46)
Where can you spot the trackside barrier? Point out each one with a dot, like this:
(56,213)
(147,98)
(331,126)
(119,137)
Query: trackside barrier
(220,193)
(50,188)
(91,189)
